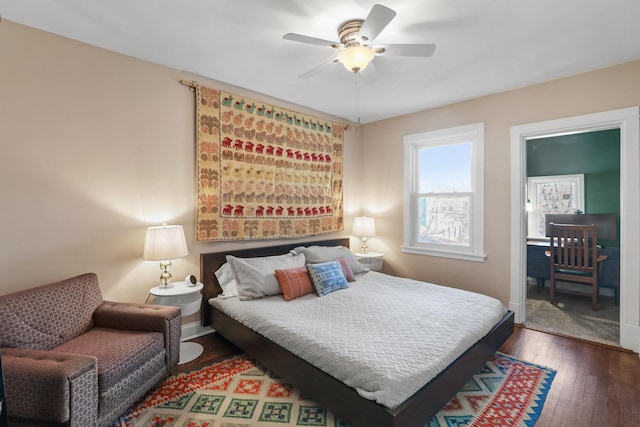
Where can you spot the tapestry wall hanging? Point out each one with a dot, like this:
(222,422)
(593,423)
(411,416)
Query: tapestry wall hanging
(265,172)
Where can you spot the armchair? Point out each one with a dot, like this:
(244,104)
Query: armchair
(72,359)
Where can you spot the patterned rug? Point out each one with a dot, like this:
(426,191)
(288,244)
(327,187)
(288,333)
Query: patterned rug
(239,393)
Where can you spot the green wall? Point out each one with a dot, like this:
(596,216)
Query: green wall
(594,154)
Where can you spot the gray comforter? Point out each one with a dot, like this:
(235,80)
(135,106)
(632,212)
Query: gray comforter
(385,336)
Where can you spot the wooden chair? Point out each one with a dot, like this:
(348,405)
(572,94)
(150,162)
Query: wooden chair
(573,257)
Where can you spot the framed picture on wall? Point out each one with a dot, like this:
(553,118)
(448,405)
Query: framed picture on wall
(553,194)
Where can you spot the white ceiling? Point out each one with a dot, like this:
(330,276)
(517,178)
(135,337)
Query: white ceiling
(483,46)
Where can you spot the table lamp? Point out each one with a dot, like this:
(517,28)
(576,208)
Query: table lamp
(164,243)
(364,227)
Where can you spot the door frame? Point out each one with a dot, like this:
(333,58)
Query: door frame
(628,121)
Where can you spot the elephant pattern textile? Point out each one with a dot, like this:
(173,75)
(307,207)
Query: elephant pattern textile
(265,172)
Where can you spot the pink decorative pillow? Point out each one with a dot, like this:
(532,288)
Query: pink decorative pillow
(348,273)
(294,282)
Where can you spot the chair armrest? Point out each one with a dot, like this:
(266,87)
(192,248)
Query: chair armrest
(50,387)
(601,259)
(145,318)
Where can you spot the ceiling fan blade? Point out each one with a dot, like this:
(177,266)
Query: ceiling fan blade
(415,50)
(310,40)
(312,72)
(378,19)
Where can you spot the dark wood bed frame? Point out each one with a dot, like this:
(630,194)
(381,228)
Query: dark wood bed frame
(337,397)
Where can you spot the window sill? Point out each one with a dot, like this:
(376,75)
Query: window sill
(463,256)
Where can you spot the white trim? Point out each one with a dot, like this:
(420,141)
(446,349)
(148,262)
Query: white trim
(194,330)
(627,120)
(444,254)
(475,134)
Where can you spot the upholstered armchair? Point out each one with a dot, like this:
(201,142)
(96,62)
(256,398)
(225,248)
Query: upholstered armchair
(72,359)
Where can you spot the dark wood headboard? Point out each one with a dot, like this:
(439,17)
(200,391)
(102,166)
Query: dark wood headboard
(212,261)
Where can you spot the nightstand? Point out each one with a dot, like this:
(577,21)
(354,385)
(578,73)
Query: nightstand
(188,298)
(371,260)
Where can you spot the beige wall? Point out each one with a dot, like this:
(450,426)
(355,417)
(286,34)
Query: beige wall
(602,90)
(96,147)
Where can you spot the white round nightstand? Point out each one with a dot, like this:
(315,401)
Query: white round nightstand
(371,260)
(188,298)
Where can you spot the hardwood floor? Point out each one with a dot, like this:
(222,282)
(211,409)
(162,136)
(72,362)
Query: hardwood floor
(595,385)
(215,347)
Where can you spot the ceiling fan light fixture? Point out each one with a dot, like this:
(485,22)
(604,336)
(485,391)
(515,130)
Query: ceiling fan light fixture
(356,58)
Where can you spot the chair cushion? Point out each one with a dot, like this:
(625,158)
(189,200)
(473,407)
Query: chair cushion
(118,352)
(574,272)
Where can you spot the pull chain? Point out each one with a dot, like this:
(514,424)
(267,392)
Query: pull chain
(357,101)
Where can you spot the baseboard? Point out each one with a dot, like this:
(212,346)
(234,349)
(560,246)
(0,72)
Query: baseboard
(517,310)
(630,337)
(195,329)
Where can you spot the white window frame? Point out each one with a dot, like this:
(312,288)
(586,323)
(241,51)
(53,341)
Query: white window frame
(473,133)
(532,197)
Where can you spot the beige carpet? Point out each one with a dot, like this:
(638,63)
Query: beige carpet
(572,315)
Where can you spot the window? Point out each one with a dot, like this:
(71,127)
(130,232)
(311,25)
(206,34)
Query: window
(558,194)
(444,193)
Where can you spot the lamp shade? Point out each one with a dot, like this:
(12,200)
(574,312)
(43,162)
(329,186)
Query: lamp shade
(364,226)
(164,242)
(356,58)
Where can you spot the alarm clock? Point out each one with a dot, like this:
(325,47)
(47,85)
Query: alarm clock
(191,280)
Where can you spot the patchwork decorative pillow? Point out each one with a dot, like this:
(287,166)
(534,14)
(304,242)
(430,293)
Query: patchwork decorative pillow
(327,277)
(256,276)
(294,282)
(316,254)
(227,281)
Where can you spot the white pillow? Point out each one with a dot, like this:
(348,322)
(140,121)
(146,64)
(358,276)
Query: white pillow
(256,277)
(227,281)
(318,254)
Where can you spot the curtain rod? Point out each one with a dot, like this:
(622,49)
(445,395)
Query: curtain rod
(191,85)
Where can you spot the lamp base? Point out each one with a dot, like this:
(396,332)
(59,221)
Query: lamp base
(165,277)
(364,248)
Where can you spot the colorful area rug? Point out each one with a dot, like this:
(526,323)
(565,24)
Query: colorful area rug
(239,393)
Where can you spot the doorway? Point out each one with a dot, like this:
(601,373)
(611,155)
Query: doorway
(627,121)
(588,184)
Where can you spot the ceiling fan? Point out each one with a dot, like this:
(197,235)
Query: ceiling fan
(356,36)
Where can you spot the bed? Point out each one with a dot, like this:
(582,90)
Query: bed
(344,401)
